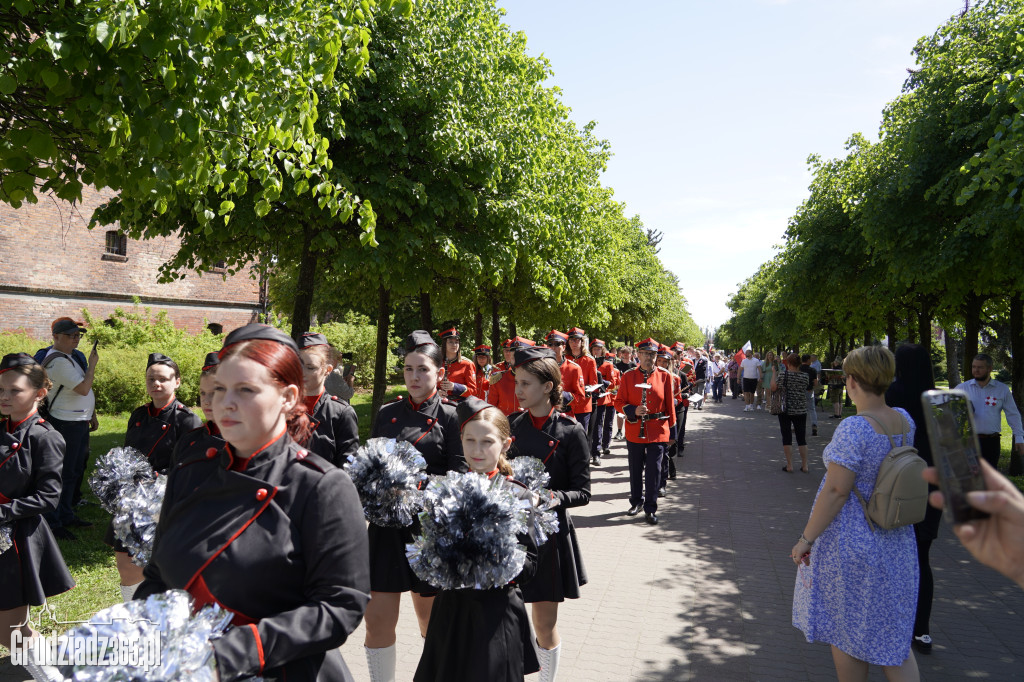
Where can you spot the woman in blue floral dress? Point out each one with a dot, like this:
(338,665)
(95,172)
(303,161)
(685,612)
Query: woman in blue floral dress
(856,589)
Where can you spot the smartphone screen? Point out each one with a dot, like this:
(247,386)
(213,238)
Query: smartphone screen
(94,344)
(950,422)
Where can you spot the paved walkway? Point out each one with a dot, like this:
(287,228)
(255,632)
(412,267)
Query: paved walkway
(707,594)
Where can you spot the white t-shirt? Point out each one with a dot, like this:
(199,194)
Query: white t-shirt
(717,367)
(750,368)
(69,406)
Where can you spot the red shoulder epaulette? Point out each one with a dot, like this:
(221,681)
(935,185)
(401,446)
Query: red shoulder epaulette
(303,457)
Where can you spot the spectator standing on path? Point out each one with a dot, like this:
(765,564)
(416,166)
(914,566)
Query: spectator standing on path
(71,408)
(759,392)
(856,588)
(733,368)
(769,370)
(836,385)
(750,375)
(812,384)
(717,368)
(990,397)
(914,377)
(793,383)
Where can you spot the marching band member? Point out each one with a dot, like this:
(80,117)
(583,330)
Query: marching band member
(624,363)
(31,457)
(429,422)
(578,353)
(561,443)
(459,374)
(572,379)
(502,393)
(267,529)
(482,367)
(483,633)
(604,411)
(668,466)
(652,412)
(154,430)
(333,422)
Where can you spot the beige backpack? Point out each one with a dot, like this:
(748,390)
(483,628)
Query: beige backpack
(900,497)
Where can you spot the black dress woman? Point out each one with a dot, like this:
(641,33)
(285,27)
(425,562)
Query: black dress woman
(429,422)
(31,457)
(561,443)
(262,526)
(335,429)
(153,430)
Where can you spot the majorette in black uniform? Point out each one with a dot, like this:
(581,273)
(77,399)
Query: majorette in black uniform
(481,635)
(433,429)
(31,458)
(334,424)
(278,540)
(561,443)
(207,435)
(155,432)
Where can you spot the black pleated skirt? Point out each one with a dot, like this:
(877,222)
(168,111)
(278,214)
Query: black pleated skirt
(560,571)
(389,567)
(478,636)
(33,569)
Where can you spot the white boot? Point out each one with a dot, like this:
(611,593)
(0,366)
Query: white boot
(381,663)
(128,592)
(548,661)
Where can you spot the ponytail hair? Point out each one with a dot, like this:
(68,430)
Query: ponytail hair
(285,369)
(546,369)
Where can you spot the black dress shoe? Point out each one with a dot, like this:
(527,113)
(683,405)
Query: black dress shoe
(814,431)
(606,452)
(651,519)
(634,510)
(63,533)
(79,523)
(596,461)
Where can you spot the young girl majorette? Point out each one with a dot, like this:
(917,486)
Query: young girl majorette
(561,443)
(429,422)
(335,427)
(482,634)
(31,457)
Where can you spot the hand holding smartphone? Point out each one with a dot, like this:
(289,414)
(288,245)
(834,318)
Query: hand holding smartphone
(955,450)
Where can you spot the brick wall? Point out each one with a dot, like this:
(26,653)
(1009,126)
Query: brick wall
(52,265)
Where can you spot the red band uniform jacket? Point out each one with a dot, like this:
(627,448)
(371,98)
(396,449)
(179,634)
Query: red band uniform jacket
(31,459)
(462,373)
(335,429)
(433,429)
(572,383)
(281,544)
(612,376)
(561,444)
(660,399)
(588,368)
(502,394)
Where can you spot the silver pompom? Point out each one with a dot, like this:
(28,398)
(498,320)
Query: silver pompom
(388,473)
(116,469)
(6,537)
(165,621)
(138,512)
(469,527)
(542,523)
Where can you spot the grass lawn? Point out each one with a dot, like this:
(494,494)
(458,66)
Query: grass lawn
(91,562)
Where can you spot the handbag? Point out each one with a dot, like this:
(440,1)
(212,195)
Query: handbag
(778,404)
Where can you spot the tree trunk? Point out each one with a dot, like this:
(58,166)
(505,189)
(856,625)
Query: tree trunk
(831,346)
(924,325)
(952,366)
(890,329)
(972,326)
(853,341)
(512,328)
(1017,367)
(867,337)
(911,328)
(426,313)
(495,324)
(478,330)
(303,307)
(380,365)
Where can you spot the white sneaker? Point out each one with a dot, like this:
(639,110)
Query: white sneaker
(758,408)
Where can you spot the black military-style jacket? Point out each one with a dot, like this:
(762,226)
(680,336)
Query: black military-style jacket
(154,432)
(562,445)
(431,426)
(335,429)
(282,544)
(31,459)
(197,440)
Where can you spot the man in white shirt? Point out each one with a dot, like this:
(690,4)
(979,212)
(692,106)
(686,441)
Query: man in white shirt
(717,369)
(990,398)
(71,403)
(750,375)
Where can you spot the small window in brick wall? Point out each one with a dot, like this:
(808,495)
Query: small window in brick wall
(116,247)
(220,267)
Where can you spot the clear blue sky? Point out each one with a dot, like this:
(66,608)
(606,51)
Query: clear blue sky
(712,109)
